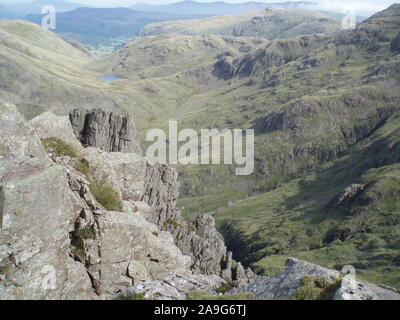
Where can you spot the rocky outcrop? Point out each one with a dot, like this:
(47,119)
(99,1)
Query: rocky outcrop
(17,138)
(34,192)
(176,287)
(48,125)
(105,130)
(347,196)
(84,251)
(275,54)
(352,289)
(395,45)
(200,238)
(286,283)
(150,193)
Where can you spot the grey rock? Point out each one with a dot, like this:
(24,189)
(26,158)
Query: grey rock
(17,138)
(176,287)
(124,172)
(352,289)
(36,218)
(123,248)
(286,282)
(49,125)
(105,130)
(199,239)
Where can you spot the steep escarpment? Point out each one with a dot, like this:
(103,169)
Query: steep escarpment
(107,131)
(99,247)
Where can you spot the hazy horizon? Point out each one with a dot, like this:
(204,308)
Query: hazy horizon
(366,6)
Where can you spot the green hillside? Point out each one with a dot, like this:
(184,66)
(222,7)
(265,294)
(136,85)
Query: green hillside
(270,23)
(324,107)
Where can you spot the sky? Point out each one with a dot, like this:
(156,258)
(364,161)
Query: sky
(371,6)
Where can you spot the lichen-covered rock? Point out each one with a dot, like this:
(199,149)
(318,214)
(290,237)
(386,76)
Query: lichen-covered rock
(35,220)
(105,130)
(199,239)
(352,289)
(49,125)
(17,138)
(286,282)
(124,172)
(121,249)
(175,287)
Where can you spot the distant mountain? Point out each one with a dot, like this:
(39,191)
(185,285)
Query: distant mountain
(215,8)
(23,9)
(269,23)
(101,26)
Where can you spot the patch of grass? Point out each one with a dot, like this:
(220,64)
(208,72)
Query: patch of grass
(106,195)
(131,296)
(204,295)
(315,289)
(83,167)
(57,147)
(7,270)
(86,233)
(224,288)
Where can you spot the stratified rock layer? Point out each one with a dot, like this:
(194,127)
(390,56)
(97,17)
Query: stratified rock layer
(105,130)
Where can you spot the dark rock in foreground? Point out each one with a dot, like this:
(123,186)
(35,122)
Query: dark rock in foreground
(105,130)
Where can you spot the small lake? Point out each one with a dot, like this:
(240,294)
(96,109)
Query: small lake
(110,78)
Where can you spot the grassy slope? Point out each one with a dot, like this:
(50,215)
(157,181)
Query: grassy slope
(40,71)
(271,23)
(298,220)
(328,97)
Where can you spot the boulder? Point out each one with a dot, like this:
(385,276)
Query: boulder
(35,220)
(352,289)
(285,283)
(49,125)
(17,138)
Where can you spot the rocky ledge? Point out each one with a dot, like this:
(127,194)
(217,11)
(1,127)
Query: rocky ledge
(92,222)
(60,240)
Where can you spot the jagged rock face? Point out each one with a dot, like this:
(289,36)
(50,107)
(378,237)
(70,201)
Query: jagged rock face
(199,239)
(95,251)
(124,248)
(151,221)
(105,130)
